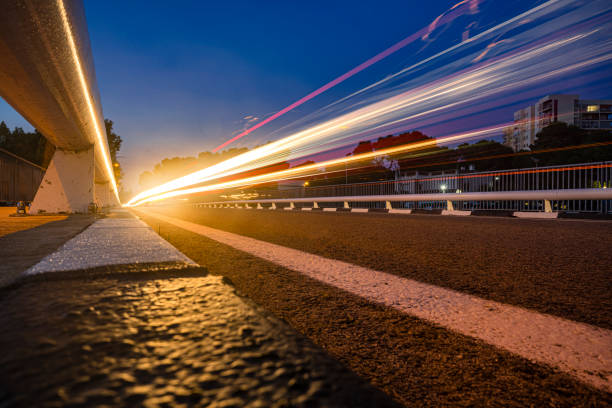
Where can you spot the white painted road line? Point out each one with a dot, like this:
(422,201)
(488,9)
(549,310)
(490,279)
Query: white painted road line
(110,241)
(579,349)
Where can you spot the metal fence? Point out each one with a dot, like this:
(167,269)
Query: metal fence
(19,178)
(575,176)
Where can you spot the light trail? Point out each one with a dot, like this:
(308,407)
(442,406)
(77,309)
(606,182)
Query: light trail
(101,141)
(517,66)
(457,10)
(314,169)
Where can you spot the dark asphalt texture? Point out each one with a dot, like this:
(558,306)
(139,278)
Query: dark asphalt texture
(118,336)
(417,363)
(559,267)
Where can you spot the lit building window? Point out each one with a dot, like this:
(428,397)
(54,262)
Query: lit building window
(592,108)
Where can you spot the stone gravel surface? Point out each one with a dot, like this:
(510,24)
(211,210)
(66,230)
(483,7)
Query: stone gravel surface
(559,267)
(417,363)
(121,336)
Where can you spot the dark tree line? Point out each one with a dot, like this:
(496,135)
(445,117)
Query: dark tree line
(557,144)
(34,147)
(31,146)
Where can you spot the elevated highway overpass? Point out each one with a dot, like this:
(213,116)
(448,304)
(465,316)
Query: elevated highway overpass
(47,74)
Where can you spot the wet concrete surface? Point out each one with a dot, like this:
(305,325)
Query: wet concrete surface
(124,336)
(24,248)
(558,267)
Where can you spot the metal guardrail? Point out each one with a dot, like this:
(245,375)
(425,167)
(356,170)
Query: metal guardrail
(573,188)
(449,199)
(569,177)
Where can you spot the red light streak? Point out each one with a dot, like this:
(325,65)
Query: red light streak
(422,33)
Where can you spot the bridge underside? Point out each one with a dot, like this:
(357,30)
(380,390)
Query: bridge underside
(47,75)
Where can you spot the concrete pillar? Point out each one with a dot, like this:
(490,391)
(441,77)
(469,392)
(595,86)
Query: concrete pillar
(103,195)
(449,205)
(68,184)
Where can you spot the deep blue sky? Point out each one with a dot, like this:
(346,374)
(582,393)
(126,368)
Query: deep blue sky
(178,77)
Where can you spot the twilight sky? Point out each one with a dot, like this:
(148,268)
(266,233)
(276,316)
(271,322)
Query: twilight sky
(179,78)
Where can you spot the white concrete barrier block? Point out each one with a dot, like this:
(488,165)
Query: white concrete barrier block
(536,214)
(329,209)
(400,211)
(459,213)
(359,210)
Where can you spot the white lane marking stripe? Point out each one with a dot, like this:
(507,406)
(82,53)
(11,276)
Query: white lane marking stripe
(579,349)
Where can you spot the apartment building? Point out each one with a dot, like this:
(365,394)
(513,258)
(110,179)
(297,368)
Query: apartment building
(529,121)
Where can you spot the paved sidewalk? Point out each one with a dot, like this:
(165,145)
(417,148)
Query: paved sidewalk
(23,249)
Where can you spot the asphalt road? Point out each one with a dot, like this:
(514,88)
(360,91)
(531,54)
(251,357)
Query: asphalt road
(416,363)
(559,267)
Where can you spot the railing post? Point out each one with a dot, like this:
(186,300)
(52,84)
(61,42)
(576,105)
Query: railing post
(273,206)
(247,206)
(291,205)
(315,204)
(449,205)
(388,205)
(346,205)
(547,206)
(259,207)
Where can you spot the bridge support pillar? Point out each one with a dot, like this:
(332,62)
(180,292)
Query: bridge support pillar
(68,184)
(103,195)
(449,205)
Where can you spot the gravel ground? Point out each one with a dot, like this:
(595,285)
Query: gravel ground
(416,363)
(559,267)
(153,336)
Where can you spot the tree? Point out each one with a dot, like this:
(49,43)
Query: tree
(562,135)
(31,146)
(114,145)
(170,168)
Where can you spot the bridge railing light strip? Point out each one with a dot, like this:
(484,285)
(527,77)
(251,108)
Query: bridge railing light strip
(101,141)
